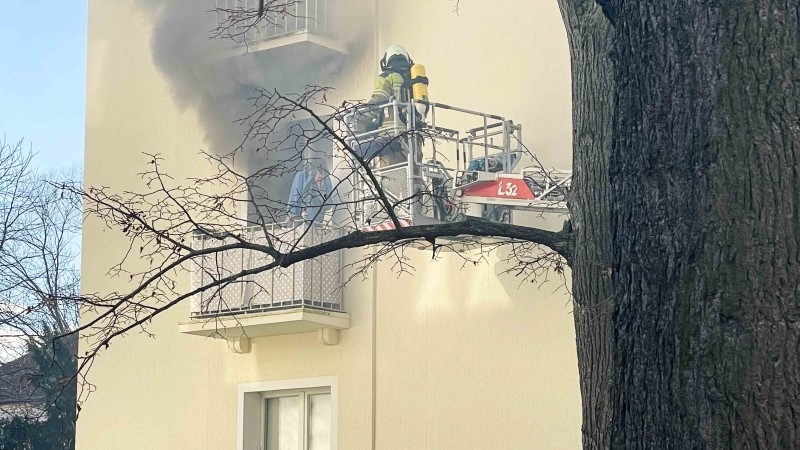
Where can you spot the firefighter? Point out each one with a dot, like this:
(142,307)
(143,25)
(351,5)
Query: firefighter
(394,81)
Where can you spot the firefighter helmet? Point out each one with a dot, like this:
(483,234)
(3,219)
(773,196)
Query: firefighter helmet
(392,52)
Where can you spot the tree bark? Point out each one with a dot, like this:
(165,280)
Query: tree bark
(705,194)
(590,38)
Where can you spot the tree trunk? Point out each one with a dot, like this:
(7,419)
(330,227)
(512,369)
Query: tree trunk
(705,194)
(590,38)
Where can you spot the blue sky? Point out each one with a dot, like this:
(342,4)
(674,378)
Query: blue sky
(43,77)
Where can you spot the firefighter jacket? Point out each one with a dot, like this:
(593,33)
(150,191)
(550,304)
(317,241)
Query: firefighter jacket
(391,83)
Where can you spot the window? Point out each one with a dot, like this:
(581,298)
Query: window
(297,420)
(288,415)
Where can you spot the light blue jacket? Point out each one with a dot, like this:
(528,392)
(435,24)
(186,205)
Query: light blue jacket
(306,196)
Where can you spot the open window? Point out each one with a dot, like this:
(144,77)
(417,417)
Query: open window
(294,209)
(283,187)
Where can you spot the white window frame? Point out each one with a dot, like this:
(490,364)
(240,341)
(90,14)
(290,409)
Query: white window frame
(250,405)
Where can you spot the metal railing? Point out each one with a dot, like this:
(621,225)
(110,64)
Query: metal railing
(314,283)
(494,138)
(476,142)
(551,185)
(281,18)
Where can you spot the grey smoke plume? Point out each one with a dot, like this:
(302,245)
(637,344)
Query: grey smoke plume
(217,76)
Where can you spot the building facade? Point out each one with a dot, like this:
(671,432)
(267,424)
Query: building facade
(451,357)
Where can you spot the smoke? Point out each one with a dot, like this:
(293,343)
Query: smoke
(218,76)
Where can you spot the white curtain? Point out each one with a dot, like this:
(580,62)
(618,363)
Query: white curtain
(319,422)
(283,423)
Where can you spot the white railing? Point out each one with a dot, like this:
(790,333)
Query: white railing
(281,18)
(314,283)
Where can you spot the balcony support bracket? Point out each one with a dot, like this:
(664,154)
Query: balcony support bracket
(328,336)
(240,345)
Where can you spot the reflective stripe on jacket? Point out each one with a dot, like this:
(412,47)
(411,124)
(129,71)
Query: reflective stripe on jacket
(388,84)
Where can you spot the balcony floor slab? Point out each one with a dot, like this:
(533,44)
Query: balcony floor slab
(308,45)
(270,323)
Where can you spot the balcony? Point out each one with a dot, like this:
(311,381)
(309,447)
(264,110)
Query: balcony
(305,297)
(287,27)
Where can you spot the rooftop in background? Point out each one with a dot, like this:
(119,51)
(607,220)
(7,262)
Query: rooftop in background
(19,393)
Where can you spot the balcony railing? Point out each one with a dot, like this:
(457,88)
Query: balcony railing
(314,283)
(284,18)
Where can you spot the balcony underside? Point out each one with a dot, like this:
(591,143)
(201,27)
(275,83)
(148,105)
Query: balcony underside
(300,44)
(271,323)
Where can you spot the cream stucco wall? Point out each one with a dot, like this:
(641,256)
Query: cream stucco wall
(505,57)
(449,358)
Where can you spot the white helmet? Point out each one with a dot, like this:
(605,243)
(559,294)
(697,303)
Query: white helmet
(394,50)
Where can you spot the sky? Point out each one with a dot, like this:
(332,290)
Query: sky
(43,78)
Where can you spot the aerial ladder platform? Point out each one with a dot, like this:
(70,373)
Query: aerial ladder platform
(457,163)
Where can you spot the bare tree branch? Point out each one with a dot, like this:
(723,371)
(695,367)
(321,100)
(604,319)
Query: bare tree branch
(176,225)
(39,288)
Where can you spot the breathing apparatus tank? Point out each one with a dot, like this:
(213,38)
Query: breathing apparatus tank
(419,82)
(419,87)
